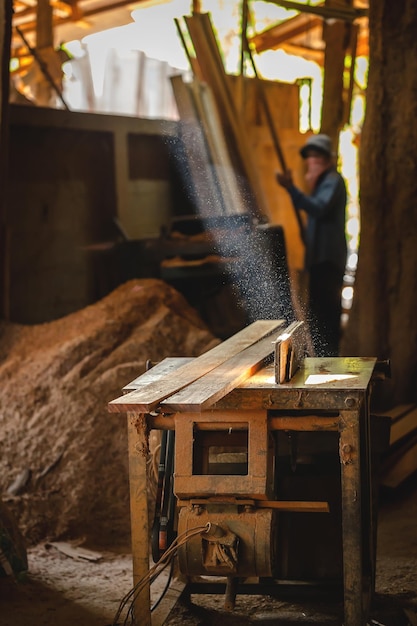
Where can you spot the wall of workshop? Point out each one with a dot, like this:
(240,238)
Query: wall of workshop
(70,176)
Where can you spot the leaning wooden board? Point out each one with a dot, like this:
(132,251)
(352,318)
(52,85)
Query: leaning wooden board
(147,399)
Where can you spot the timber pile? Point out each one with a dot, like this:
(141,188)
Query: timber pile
(400,461)
(220,154)
(63,462)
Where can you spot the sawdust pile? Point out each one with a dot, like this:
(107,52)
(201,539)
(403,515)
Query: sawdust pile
(58,438)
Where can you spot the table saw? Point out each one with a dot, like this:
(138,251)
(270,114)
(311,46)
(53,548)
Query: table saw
(241,423)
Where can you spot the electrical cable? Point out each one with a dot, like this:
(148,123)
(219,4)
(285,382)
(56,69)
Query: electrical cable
(165,589)
(168,556)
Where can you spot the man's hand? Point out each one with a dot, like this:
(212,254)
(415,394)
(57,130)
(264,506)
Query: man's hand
(284,179)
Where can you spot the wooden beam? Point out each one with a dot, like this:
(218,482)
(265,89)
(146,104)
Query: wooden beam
(275,36)
(353,47)
(211,63)
(306,423)
(44,29)
(294,506)
(335,12)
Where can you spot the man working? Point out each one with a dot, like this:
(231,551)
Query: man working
(325,240)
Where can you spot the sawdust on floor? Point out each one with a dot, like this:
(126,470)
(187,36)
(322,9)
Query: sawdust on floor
(56,380)
(60,590)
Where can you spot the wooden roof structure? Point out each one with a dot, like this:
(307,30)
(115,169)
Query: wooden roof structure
(300,35)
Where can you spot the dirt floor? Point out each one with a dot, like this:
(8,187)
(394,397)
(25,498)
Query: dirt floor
(63,591)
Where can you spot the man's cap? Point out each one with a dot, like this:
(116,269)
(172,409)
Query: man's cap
(321,142)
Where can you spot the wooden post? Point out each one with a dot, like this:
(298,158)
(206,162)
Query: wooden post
(5,39)
(138,446)
(337,39)
(44,39)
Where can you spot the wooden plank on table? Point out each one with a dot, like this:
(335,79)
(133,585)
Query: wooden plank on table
(158,371)
(145,400)
(207,390)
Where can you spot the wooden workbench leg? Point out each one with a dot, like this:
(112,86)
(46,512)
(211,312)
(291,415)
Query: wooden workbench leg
(138,446)
(349,450)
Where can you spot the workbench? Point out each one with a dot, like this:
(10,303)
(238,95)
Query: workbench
(325,394)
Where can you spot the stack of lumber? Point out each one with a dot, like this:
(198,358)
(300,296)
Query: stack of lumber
(400,461)
(209,109)
(215,183)
(197,385)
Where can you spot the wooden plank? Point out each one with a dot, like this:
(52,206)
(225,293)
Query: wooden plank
(210,121)
(208,196)
(274,135)
(158,371)
(397,411)
(207,390)
(307,423)
(294,506)
(403,426)
(192,60)
(211,64)
(147,399)
(163,610)
(402,468)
